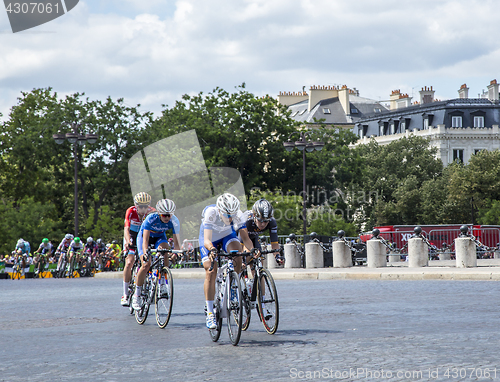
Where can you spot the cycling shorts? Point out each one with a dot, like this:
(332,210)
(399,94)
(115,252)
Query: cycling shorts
(224,241)
(153,240)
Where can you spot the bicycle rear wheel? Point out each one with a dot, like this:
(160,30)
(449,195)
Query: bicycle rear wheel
(142,314)
(131,287)
(215,333)
(247,308)
(234,308)
(267,302)
(164,301)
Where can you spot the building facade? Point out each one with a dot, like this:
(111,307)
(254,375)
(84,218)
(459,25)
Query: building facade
(458,128)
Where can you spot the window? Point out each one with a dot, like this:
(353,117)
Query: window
(294,114)
(303,111)
(458,155)
(402,128)
(326,110)
(426,123)
(456,121)
(381,130)
(477,151)
(354,110)
(378,110)
(479,121)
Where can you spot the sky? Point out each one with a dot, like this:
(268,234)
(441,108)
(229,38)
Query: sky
(152,52)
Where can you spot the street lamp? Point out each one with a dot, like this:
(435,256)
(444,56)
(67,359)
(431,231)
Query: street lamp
(74,137)
(309,146)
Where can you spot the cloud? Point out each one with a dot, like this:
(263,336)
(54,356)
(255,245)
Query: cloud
(152,54)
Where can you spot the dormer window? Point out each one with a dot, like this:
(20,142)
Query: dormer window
(456,121)
(326,111)
(354,110)
(479,121)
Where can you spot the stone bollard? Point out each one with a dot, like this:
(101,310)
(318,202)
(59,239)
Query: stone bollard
(314,256)
(394,257)
(418,254)
(445,256)
(341,255)
(465,250)
(375,254)
(292,256)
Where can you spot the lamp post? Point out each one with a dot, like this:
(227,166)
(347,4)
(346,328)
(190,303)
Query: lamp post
(309,146)
(74,137)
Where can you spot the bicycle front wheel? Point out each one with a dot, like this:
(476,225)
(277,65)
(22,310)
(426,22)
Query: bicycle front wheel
(234,308)
(164,297)
(267,302)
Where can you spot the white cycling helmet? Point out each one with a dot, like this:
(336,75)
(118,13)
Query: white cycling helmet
(165,206)
(228,204)
(20,242)
(90,239)
(68,236)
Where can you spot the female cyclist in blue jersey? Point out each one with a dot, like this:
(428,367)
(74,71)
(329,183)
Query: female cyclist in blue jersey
(152,232)
(219,225)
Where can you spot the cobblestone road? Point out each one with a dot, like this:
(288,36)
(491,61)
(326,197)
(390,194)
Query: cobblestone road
(75,330)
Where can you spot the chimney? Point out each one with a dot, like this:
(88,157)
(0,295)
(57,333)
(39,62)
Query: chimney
(319,93)
(344,99)
(393,99)
(403,101)
(493,91)
(290,98)
(426,95)
(463,92)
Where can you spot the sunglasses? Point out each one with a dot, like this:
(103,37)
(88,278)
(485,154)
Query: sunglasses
(227,215)
(165,215)
(263,220)
(142,207)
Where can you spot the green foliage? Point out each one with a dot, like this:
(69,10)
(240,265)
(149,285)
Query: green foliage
(30,220)
(107,227)
(325,221)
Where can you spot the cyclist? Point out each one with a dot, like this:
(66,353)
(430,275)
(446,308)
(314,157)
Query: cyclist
(219,224)
(62,249)
(259,219)
(133,219)
(113,252)
(74,250)
(100,250)
(152,232)
(90,249)
(43,253)
(22,251)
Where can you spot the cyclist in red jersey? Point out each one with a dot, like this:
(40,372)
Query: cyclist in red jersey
(133,219)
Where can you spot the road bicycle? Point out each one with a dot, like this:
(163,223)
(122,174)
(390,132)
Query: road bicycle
(151,290)
(135,268)
(260,293)
(228,302)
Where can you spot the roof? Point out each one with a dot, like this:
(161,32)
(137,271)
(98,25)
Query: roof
(332,112)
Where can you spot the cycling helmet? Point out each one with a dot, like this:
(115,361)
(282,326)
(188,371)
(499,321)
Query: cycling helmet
(77,239)
(142,198)
(262,210)
(99,241)
(45,241)
(20,242)
(114,242)
(68,236)
(292,236)
(228,204)
(165,206)
(90,239)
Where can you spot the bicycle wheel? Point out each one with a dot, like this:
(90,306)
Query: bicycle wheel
(247,308)
(131,287)
(163,302)
(215,333)
(234,308)
(269,313)
(142,314)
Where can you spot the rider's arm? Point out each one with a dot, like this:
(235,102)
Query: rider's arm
(145,240)
(246,239)
(207,239)
(177,245)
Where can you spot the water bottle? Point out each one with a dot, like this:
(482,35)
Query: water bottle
(230,265)
(249,286)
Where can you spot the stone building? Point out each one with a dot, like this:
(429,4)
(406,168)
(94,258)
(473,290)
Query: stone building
(458,128)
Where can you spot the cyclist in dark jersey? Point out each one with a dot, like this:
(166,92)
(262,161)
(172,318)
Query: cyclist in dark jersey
(261,219)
